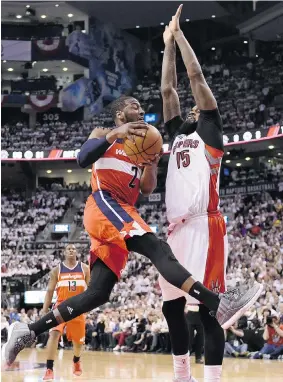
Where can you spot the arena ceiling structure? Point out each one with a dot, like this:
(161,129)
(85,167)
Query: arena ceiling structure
(129,14)
(266,17)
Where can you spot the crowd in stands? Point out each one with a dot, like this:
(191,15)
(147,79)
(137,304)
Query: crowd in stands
(22,220)
(245,96)
(268,171)
(132,320)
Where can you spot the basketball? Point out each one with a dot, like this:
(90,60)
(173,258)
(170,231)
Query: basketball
(145,148)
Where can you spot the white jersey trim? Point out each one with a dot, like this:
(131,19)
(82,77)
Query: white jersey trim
(71,269)
(116,164)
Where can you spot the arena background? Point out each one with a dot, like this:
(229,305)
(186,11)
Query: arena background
(62,64)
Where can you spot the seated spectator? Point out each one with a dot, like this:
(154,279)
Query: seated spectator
(273,335)
(234,344)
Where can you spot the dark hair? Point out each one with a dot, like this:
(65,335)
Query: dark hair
(118,105)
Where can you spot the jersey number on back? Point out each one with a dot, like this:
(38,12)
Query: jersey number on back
(132,182)
(72,286)
(183,158)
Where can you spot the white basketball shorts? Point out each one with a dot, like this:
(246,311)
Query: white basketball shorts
(200,245)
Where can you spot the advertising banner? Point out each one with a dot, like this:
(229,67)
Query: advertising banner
(235,190)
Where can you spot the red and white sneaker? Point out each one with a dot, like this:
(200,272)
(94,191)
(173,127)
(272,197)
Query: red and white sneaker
(49,375)
(77,368)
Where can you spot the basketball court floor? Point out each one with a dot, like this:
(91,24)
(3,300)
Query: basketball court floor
(128,367)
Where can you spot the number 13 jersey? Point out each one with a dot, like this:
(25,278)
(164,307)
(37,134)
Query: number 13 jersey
(192,184)
(71,281)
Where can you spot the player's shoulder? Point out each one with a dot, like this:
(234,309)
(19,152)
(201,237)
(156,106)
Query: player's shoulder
(100,132)
(210,115)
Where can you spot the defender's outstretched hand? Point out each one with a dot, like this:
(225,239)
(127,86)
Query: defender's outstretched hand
(174,24)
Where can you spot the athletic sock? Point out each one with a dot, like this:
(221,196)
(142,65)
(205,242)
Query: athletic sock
(43,324)
(76,359)
(182,366)
(49,364)
(204,295)
(212,373)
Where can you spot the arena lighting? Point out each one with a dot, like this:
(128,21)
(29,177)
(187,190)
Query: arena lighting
(4,61)
(43,16)
(137,26)
(213,16)
(63,60)
(256,55)
(10,69)
(248,158)
(213,48)
(48,171)
(27,6)
(70,15)
(228,153)
(69,171)
(162,51)
(56,5)
(245,42)
(187,20)
(238,164)
(271,147)
(228,161)
(45,70)
(89,170)
(65,69)
(162,23)
(83,31)
(279,153)
(19,16)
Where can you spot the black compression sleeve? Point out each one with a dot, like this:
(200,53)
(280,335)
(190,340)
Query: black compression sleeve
(92,150)
(210,128)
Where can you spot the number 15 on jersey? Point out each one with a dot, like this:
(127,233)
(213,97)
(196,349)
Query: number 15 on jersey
(183,158)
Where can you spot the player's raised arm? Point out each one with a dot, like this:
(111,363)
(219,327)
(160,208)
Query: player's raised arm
(201,91)
(171,104)
(50,290)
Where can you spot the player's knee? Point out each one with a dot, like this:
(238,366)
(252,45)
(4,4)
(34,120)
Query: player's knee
(95,298)
(54,335)
(174,308)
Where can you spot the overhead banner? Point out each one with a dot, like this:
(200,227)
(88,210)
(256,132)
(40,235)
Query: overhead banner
(41,103)
(113,59)
(14,50)
(53,48)
(236,190)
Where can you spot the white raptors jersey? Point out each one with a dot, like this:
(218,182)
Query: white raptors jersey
(192,184)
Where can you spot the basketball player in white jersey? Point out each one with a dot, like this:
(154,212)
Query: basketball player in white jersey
(197,232)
